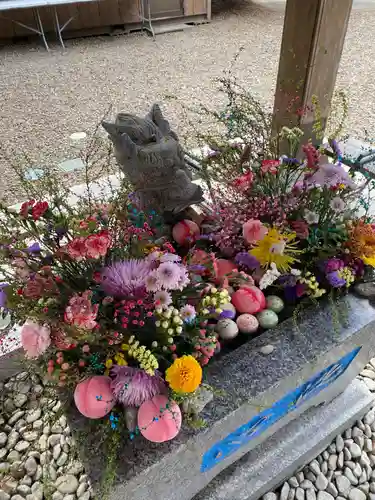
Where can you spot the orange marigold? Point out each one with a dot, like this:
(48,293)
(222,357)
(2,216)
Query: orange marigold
(185,375)
(362,241)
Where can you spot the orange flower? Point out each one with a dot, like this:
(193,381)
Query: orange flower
(362,241)
(185,375)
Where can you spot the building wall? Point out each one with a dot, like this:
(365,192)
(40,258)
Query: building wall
(103,13)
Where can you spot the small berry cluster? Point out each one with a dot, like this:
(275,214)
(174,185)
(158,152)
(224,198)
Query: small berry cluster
(213,299)
(168,322)
(132,312)
(147,361)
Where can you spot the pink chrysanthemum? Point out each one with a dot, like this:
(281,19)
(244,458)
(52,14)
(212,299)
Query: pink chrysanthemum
(169,275)
(152,283)
(162,298)
(132,386)
(170,257)
(126,279)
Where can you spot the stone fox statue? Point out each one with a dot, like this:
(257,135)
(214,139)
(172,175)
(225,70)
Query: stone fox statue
(149,153)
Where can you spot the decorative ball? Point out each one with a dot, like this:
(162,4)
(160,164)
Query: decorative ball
(229,311)
(247,323)
(227,329)
(222,268)
(248,299)
(275,303)
(185,232)
(93,397)
(267,318)
(159,419)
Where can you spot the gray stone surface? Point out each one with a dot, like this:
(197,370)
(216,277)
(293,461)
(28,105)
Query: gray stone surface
(10,364)
(300,441)
(251,382)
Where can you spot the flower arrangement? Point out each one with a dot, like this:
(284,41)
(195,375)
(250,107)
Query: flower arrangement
(108,310)
(125,311)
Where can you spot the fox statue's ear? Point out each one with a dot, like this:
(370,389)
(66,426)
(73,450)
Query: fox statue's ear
(128,147)
(157,117)
(110,128)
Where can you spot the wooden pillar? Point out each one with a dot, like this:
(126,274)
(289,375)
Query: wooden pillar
(311,48)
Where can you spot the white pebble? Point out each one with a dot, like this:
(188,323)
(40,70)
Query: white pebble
(321,482)
(355,450)
(356,494)
(267,349)
(370,383)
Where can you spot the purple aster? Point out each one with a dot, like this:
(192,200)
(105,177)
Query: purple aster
(329,175)
(246,260)
(126,279)
(335,280)
(132,386)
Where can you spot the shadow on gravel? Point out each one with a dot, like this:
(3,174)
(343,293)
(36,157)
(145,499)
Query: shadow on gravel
(222,8)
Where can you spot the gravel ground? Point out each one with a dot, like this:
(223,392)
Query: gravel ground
(45,97)
(38,456)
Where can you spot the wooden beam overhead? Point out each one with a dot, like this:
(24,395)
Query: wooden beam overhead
(311,48)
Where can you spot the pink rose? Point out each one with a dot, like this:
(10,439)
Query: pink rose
(81,312)
(253,230)
(35,339)
(97,245)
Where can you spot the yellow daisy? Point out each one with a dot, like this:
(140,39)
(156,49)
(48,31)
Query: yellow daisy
(276,247)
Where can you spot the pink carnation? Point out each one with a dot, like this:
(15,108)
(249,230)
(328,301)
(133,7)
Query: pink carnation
(81,312)
(253,230)
(243,182)
(35,339)
(76,249)
(270,166)
(97,245)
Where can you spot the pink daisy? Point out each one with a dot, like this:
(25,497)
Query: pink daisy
(188,313)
